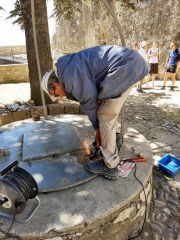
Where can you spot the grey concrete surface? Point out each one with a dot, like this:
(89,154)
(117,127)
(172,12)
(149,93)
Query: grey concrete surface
(48,141)
(72,209)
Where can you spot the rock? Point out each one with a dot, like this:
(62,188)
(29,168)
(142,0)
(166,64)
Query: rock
(156,237)
(146,234)
(142,197)
(166,196)
(177,227)
(165,187)
(159,204)
(173,189)
(158,216)
(124,214)
(173,202)
(174,195)
(170,236)
(166,210)
(152,216)
(138,206)
(154,193)
(175,213)
(171,224)
(155,228)
(158,223)
(163,219)
(172,208)
(159,193)
(148,220)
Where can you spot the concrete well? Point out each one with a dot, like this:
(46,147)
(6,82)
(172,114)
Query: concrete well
(95,209)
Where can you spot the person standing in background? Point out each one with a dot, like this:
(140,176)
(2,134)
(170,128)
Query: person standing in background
(143,52)
(172,64)
(153,55)
(135,46)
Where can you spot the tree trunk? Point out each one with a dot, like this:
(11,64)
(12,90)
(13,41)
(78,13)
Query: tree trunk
(110,9)
(43,43)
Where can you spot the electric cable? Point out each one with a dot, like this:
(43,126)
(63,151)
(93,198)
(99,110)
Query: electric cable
(7,233)
(19,186)
(145,205)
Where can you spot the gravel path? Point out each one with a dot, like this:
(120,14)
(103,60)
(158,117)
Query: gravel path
(156,114)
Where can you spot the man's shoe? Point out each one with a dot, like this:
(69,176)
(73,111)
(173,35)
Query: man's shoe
(100,168)
(119,141)
(172,88)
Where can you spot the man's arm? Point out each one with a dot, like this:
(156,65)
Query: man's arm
(87,94)
(167,59)
(178,61)
(90,109)
(178,66)
(150,54)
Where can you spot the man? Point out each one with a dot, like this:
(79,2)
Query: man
(100,78)
(172,64)
(143,52)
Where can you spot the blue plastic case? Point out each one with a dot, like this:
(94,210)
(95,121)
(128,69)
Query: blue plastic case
(169,165)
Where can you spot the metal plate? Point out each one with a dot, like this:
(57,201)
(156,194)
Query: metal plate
(47,142)
(57,174)
(59,134)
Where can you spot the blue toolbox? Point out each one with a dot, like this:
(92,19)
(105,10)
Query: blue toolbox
(169,165)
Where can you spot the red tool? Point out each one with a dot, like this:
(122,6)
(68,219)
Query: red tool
(135,159)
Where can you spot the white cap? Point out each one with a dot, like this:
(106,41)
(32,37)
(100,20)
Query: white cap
(44,84)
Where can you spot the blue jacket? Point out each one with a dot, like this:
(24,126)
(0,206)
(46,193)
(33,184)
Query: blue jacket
(99,73)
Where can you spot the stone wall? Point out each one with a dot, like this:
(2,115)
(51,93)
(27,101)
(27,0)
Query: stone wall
(14,73)
(154,20)
(52,109)
(126,222)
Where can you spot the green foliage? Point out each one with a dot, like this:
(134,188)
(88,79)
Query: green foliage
(17,14)
(64,8)
(71,8)
(67,8)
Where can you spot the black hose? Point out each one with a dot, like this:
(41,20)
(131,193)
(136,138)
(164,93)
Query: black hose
(18,179)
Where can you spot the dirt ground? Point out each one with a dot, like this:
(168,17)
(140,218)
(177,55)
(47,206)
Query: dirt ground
(155,114)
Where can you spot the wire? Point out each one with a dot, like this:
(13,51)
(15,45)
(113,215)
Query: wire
(145,205)
(7,233)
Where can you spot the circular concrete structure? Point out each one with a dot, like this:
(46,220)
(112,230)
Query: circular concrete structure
(93,209)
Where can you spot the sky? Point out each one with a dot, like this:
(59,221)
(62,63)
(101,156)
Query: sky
(11,34)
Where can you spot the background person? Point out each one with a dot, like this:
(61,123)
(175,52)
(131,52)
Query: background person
(135,46)
(153,55)
(172,64)
(143,52)
(100,78)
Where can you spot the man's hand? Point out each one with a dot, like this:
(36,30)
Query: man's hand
(98,138)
